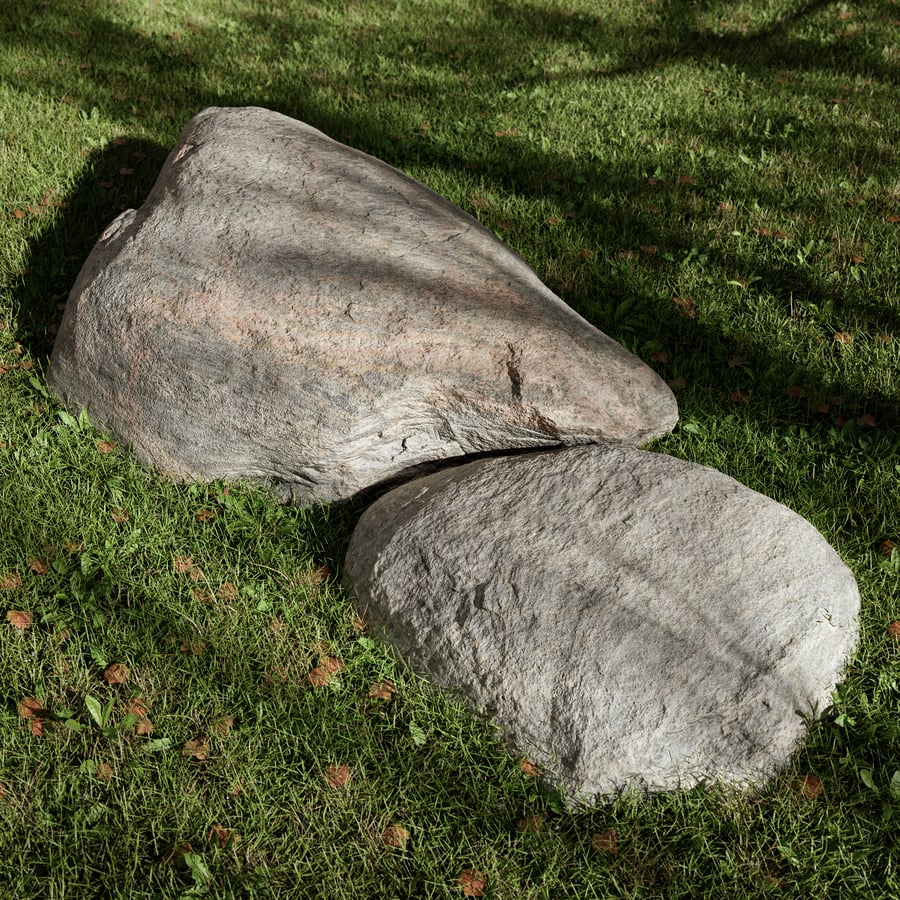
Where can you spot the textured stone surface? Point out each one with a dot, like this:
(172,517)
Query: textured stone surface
(285,308)
(629,618)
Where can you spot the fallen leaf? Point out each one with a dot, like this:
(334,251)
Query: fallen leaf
(686,305)
(661,357)
(739,397)
(678,382)
(357,623)
(811,786)
(319,677)
(382,690)
(606,841)
(332,664)
(553,220)
(795,391)
(18,214)
(337,776)
(126,171)
(736,362)
(143,726)
(106,446)
(175,856)
(472,883)
(120,515)
(227,592)
(117,673)
(532,824)
(10,581)
(206,515)
(136,706)
(686,179)
(625,254)
(223,725)
(395,836)
(193,648)
(196,749)
(218,836)
(866,420)
(893,631)
(652,181)
(763,232)
(529,768)
(893,219)
(104,771)
(856,259)
(649,249)
(509,132)
(36,726)
(883,338)
(202,595)
(886,547)
(73,547)
(30,707)
(843,337)
(19,618)
(183,564)
(819,406)
(277,624)
(725,207)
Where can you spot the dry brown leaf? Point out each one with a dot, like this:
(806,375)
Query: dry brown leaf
(30,707)
(532,824)
(606,841)
(736,362)
(223,725)
(217,836)
(120,515)
(19,618)
(338,776)
(183,564)
(866,420)
(196,749)
(811,786)
(175,856)
(472,883)
(277,624)
(843,337)
(9,581)
(332,664)
(893,219)
(319,677)
(104,771)
(36,726)
(106,446)
(649,249)
(661,357)
(686,306)
(202,595)
(893,631)
(143,726)
(38,566)
(382,690)
(395,836)
(206,515)
(739,397)
(227,592)
(886,547)
(529,768)
(117,673)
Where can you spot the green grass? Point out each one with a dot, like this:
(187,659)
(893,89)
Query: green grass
(712,184)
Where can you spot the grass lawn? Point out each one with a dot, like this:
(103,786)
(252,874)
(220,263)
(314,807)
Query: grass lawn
(189,707)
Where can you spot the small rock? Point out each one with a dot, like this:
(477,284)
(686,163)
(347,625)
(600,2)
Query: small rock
(287,309)
(629,618)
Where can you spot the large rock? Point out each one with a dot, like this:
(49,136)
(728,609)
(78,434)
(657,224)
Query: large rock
(630,619)
(289,309)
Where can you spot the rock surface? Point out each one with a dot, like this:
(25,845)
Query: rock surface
(629,618)
(288,309)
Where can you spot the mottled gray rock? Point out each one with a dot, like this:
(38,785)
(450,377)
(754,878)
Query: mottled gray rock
(286,308)
(629,618)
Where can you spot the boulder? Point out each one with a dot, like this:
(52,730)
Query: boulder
(628,618)
(287,309)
